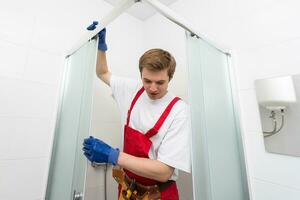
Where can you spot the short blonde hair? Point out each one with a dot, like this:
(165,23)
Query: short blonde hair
(157,60)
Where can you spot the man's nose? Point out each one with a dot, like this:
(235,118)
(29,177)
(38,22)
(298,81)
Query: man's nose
(153,87)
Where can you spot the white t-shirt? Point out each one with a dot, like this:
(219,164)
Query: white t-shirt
(171,145)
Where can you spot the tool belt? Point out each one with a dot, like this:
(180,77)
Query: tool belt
(132,190)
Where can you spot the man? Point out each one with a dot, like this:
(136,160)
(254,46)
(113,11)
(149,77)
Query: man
(156,128)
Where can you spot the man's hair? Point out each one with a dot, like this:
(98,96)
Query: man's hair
(157,60)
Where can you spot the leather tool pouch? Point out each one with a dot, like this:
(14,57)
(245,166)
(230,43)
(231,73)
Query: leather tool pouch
(138,192)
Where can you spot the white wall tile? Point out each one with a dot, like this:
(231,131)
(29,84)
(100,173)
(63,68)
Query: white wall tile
(274,168)
(244,8)
(111,133)
(47,37)
(9,65)
(28,8)
(96,184)
(29,99)
(249,110)
(16,25)
(23,179)
(105,109)
(269,191)
(57,30)
(268,61)
(25,137)
(112,186)
(269,27)
(43,67)
(124,40)
(254,146)
(94,193)
(95,176)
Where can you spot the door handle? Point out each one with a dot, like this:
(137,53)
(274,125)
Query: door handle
(77,195)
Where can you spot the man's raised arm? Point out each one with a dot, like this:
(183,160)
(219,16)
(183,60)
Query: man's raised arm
(101,68)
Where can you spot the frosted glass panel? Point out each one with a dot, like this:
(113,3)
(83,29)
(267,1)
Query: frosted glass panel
(68,165)
(218,163)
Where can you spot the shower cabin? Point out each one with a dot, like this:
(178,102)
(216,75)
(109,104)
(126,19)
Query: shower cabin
(218,166)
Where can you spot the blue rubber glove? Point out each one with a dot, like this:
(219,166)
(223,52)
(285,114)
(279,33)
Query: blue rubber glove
(101,41)
(97,151)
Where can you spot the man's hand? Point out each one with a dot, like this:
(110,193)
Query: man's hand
(98,151)
(102,34)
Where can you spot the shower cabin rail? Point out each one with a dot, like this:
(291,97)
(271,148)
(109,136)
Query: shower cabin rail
(157,5)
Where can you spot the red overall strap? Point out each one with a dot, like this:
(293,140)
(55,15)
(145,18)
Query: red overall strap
(138,94)
(163,117)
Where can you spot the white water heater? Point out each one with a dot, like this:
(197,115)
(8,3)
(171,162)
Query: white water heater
(275,93)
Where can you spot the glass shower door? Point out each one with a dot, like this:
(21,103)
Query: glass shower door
(218,160)
(68,165)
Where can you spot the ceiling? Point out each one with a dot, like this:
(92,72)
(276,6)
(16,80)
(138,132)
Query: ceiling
(141,10)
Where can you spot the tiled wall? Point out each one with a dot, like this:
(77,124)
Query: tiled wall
(267,171)
(264,39)
(33,38)
(264,35)
(29,77)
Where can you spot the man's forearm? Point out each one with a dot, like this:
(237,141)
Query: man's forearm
(102,68)
(146,167)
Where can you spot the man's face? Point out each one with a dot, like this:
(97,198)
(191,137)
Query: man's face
(155,83)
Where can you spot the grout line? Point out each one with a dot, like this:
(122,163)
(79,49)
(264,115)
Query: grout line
(25,117)
(24,158)
(32,47)
(277,184)
(270,45)
(246,89)
(29,81)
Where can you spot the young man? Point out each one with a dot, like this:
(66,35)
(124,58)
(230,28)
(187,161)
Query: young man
(156,128)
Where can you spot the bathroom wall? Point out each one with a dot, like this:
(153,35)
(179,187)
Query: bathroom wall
(33,37)
(263,36)
(264,40)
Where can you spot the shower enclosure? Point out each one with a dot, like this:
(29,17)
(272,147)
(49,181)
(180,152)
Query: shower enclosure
(217,153)
(68,166)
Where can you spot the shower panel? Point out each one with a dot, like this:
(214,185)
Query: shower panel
(218,161)
(67,169)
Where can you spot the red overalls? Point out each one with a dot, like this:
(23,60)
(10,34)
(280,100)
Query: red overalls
(138,144)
